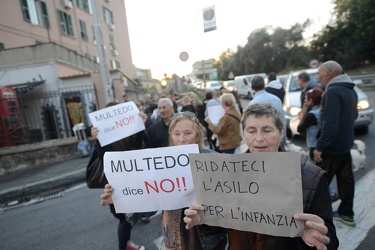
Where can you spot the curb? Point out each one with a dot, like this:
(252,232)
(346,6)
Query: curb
(28,191)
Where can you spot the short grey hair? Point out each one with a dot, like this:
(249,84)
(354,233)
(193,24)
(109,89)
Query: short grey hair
(261,109)
(332,66)
(165,100)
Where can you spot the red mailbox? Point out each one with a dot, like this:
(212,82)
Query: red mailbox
(10,117)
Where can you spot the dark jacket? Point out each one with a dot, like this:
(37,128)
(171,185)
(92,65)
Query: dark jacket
(157,135)
(316,200)
(338,113)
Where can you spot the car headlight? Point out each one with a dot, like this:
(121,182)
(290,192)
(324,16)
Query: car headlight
(294,111)
(363,104)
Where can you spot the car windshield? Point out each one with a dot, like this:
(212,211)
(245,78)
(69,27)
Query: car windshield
(293,82)
(215,84)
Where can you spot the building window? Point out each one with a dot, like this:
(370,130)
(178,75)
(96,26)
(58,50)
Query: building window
(93,34)
(86,6)
(2,46)
(82,26)
(35,14)
(112,45)
(66,23)
(29,11)
(45,19)
(96,59)
(115,64)
(108,16)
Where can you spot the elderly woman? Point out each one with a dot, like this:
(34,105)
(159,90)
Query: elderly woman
(263,131)
(184,129)
(228,130)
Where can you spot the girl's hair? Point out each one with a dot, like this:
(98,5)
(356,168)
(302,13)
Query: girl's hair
(196,126)
(315,94)
(228,99)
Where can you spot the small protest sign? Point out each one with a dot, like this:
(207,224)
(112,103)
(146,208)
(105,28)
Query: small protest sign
(257,192)
(215,113)
(116,122)
(150,179)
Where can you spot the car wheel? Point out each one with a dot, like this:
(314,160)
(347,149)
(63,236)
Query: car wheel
(249,96)
(361,130)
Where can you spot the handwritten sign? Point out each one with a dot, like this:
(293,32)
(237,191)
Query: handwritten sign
(257,192)
(215,113)
(116,122)
(151,179)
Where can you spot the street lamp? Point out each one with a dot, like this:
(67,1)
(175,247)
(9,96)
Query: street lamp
(164,82)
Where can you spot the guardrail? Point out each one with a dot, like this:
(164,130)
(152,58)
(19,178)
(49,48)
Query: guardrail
(367,78)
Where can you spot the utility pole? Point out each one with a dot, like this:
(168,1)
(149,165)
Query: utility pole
(103,66)
(204,75)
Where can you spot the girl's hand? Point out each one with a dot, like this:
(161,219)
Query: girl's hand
(107,195)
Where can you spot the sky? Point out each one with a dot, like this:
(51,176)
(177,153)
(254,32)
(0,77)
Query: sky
(159,30)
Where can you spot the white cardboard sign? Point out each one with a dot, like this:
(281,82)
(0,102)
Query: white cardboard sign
(151,179)
(257,192)
(117,122)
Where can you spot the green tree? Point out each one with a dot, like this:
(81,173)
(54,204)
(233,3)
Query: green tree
(267,50)
(350,39)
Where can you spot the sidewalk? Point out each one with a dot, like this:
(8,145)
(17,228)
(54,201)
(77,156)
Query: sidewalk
(24,185)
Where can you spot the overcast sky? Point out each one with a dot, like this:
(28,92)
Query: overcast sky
(160,30)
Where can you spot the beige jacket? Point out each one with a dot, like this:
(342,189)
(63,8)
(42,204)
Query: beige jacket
(228,130)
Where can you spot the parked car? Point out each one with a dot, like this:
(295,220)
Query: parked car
(243,85)
(292,103)
(230,85)
(282,79)
(198,84)
(212,85)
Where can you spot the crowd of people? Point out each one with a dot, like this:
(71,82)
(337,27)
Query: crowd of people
(182,119)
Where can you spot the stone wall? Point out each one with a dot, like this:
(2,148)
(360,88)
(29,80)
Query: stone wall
(18,158)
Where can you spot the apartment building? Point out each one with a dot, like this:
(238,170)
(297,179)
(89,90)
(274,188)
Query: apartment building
(69,23)
(49,58)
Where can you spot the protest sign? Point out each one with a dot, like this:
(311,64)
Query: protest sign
(150,179)
(257,192)
(117,122)
(215,113)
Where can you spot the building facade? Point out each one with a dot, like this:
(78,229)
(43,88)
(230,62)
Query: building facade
(69,23)
(49,58)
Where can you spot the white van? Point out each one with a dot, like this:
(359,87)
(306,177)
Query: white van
(243,85)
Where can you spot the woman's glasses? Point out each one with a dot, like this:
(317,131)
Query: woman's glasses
(187,114)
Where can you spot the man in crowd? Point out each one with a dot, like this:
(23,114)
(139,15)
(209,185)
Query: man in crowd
(275,87)
(303,81)
(336,135)
(157,134)
(261,95)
